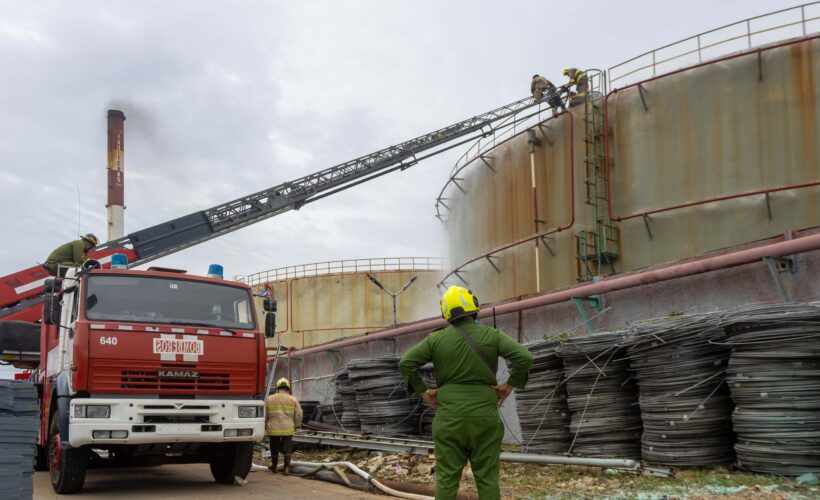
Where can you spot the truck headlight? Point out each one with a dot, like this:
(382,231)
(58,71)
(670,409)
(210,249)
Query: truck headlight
(250,411)
(92,411)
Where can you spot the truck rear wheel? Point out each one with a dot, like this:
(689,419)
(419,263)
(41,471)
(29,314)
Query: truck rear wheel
(231,460)
(67,465)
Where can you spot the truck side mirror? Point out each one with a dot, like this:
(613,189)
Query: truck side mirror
(269,305)
(52,309)
(270,325)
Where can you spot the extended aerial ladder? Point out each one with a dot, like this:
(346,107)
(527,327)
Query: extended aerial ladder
(21,292)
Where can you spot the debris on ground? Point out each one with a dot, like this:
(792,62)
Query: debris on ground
(520,480)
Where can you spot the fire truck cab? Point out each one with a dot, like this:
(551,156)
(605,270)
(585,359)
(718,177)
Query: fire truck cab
(148,367)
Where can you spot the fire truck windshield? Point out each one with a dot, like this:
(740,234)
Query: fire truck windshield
(163,300)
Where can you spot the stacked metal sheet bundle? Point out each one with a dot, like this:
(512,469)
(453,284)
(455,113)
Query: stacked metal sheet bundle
(774,378)
(347,392)
(542,405)
(680,364)
(381,397)
(19,419)
(602,397)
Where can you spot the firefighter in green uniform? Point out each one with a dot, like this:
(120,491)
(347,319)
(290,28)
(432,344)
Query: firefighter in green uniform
(73,253)
(467,425)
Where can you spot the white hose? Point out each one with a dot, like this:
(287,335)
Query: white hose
(367,477)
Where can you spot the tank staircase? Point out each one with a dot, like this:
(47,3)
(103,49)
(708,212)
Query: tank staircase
(597,250)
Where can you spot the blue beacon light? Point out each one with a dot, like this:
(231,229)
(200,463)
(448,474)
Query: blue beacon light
(119,261)
(215,271)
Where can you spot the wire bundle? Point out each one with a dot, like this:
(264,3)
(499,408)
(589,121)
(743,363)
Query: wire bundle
(381,396)
(347,393)
(602,397)
(330,413)
(426,413)
(774,378)
(680,364)
(542,404)
(309,410)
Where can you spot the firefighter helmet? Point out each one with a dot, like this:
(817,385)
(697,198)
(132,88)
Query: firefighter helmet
(458,302)
(283,382)
(90,239)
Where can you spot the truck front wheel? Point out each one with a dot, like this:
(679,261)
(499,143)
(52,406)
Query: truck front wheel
(67,465)
(231,460)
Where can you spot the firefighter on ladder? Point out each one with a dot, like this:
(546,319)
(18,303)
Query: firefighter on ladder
(541,88)
(467,425)
(580,80)
(283,414)
(71,254)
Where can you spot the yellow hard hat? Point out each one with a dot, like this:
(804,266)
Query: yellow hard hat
(458,302)
(283,382)
(566,71)
(91,239)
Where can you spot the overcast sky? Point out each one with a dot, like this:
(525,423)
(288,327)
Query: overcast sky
(224,98)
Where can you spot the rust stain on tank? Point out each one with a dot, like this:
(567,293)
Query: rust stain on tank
(800,62)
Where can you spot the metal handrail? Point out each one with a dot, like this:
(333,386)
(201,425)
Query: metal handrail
(652,62)
(343,266)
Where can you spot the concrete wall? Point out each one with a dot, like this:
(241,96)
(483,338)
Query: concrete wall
(725,128)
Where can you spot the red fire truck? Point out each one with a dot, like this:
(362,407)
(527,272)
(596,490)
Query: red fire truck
(162,365)
(146,367)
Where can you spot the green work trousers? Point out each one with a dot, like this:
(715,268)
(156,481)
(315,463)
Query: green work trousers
(458,439)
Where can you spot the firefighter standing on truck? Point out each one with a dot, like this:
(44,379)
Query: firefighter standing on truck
(283,414)
(467,425)
(71,254)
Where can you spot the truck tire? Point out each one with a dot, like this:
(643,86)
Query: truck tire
(231,460)
(67,465)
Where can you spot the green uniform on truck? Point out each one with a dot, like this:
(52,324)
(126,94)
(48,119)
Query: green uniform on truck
(72,253)
(467,425)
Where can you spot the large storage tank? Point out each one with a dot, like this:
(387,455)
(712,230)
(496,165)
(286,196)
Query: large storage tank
(326,301)
(712,156)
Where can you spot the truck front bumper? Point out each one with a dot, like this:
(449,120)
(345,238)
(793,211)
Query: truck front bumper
(146,421)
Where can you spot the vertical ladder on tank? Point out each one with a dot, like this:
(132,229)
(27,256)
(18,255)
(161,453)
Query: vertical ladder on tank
(596,249)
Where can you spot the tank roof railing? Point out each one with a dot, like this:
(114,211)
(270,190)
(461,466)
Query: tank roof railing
(798,21)
(344,266)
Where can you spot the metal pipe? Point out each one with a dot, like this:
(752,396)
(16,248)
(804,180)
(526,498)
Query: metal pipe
(533,140)
(534,458)
(604,285)
(367,477)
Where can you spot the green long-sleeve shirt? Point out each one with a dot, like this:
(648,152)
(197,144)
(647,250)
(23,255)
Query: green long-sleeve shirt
(463,379)
(71,254)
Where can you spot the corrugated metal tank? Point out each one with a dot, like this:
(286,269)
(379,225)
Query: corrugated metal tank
(742,132)
(328,302)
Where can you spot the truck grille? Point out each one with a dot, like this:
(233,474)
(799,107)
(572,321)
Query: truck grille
(140,377)
(144,379)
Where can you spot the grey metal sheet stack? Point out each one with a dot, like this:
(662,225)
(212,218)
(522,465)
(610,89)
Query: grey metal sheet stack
(602,397)
(542,404)
(381,396)
(774,378)
(19,419)
(680,364)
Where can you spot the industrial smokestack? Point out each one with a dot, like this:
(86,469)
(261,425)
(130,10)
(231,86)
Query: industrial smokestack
(116,174)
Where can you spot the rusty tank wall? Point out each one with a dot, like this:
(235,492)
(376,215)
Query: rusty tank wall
(749,123)
(497,211)
(316,309)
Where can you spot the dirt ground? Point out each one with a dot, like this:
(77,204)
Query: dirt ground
(172,482)
(571,482)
